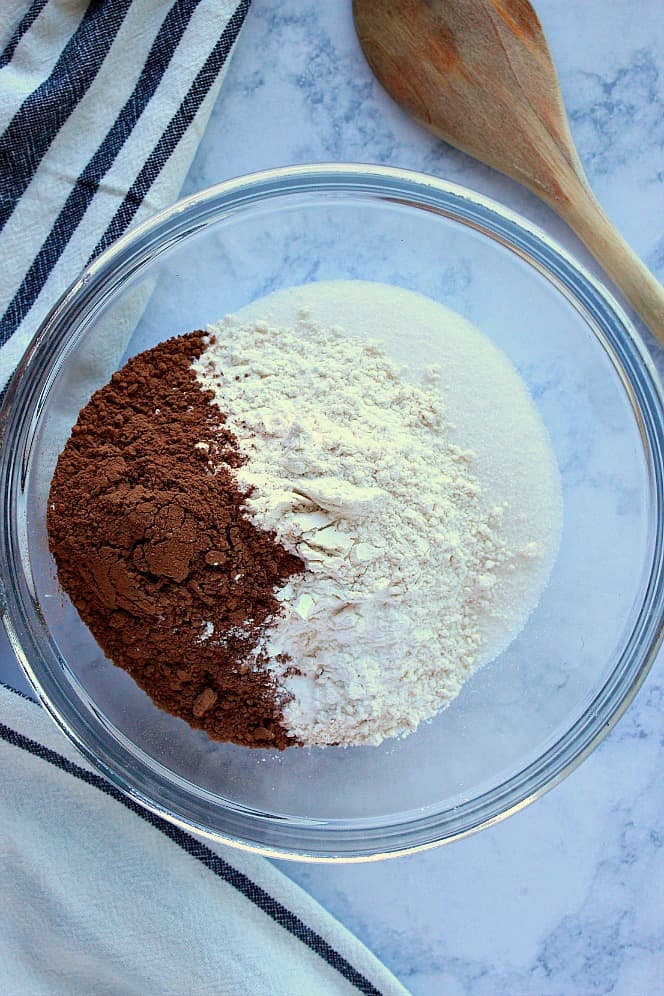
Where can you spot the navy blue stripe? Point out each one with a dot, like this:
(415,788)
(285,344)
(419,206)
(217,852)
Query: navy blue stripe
(28,19)
(249,889)
(21,695)
(42,114)
(87,184)
(175,130)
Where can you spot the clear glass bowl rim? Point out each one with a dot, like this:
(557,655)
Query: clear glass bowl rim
(148,783)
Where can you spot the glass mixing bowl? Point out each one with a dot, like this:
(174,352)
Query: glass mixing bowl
(522,722)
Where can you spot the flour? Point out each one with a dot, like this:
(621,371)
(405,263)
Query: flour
(408,559)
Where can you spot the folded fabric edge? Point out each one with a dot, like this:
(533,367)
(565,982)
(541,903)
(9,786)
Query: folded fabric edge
(154,182)
(28,713)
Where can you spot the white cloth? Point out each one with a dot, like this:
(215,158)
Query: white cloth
(100,897)
(102,106)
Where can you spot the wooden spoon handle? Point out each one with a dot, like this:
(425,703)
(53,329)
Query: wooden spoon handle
(585,216)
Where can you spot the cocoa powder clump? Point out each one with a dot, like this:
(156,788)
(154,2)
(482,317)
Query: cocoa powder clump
(146,525)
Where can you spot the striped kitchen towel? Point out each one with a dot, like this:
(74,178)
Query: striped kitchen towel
(102,105)
(101,896)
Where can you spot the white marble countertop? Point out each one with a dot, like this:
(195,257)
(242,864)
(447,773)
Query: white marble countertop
(566,897)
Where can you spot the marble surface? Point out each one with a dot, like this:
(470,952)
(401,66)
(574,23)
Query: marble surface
(567,897)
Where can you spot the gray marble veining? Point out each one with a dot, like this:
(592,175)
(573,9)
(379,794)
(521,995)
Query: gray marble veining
(567,896)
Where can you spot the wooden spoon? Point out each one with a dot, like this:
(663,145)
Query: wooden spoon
(479,74)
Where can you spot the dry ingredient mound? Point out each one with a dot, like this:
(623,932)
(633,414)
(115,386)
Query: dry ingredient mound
(175,583)
(284,539)
(357,473)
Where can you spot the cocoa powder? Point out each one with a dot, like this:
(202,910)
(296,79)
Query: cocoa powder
(154,550)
